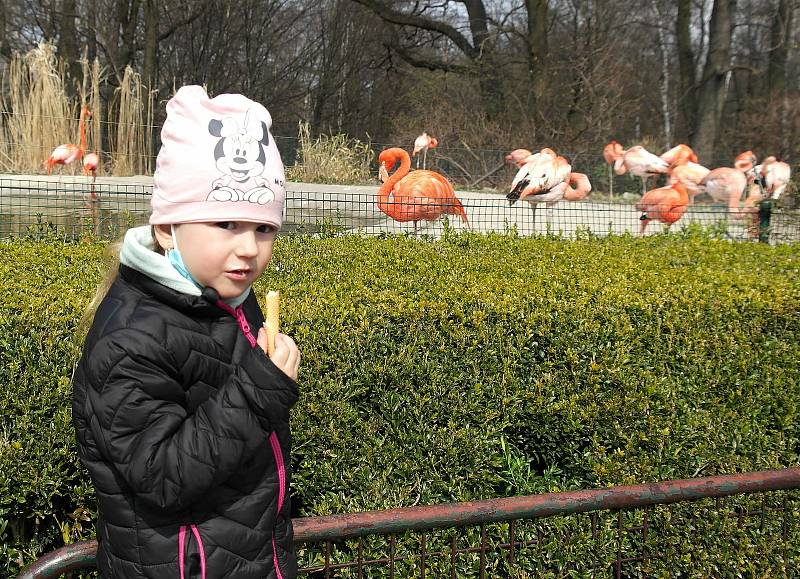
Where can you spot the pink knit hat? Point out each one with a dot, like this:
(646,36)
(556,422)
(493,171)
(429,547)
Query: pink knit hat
(217,162)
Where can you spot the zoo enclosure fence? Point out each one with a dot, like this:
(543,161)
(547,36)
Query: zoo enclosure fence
(710,526)
(74,207)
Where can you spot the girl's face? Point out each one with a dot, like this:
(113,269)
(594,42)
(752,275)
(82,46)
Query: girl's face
(228,255)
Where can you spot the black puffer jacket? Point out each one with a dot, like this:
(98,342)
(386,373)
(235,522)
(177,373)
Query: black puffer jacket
(184,427)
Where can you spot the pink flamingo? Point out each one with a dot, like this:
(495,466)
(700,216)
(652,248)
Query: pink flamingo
(665,204)
(421,145)
(727,184)
(642,163)
(776,175)
(612,152)
(690,176)
(91,162)
(582,187)
(542,178)
(417,195)
(69,152)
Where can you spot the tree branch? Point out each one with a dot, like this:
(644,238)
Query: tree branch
(404,19)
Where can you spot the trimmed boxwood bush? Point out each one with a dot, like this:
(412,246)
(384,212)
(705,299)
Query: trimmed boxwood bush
(465,368)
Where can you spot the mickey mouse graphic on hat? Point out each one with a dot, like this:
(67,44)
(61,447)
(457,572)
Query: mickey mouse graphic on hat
(240,157)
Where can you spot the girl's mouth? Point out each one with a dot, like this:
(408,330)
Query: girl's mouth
(238,274)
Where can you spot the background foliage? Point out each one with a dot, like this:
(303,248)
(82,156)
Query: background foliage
(478,75)
(465,368)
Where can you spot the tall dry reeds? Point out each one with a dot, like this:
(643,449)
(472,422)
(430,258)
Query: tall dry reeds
(91,96)
(132,145)
(37,113)
(331,159)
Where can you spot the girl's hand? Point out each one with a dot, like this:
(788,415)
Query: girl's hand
(286,355)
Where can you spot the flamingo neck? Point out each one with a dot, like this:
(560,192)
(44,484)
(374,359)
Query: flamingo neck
(385,190)
(82,130)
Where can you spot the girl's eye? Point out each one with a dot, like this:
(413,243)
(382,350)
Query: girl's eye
(264,228)
(226,224)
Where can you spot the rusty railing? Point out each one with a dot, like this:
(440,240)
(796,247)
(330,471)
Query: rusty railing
(512,541)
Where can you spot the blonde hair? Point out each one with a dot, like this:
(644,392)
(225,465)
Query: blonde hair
(111,269)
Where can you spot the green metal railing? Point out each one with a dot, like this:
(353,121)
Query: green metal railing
(509,537)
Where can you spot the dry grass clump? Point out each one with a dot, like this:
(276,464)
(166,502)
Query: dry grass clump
(132,146)
(331,159)
(37,113)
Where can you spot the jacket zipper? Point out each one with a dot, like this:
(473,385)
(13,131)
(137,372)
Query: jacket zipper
(241,320)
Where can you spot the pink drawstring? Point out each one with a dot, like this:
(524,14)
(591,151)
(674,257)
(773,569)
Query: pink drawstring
(182,548)
(276,451)
(202,552)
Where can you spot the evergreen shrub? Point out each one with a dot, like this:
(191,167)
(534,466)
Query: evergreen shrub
(466,368)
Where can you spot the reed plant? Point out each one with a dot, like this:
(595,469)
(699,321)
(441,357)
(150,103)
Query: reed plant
(37,113)
(331,159)
(94,129)
(132,145)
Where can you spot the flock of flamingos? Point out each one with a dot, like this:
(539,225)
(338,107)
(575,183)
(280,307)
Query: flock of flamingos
(546,177)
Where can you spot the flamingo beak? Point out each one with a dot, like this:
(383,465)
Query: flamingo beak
(383,174)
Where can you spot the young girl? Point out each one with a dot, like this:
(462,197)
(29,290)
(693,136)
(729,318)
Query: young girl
(181,418)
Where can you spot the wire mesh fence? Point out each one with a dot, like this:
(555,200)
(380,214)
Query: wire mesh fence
(740,525)
(73,208)
(754,534)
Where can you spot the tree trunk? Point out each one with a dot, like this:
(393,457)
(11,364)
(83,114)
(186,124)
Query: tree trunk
(686,65)
(780,37)
(91,33)
(666,113)
(150,44)
(711,90)
(537,44)
(68,44)
(490,79)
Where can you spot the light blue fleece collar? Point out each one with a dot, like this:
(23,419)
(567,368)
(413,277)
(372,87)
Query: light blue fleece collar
(138,252)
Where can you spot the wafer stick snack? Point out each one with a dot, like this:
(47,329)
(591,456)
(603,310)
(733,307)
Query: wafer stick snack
(272,323)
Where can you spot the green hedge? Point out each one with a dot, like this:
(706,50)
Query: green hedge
(466,368)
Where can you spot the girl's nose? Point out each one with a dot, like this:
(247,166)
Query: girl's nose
(246,245)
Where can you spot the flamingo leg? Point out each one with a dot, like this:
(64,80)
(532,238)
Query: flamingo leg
(610,181)
(425,159)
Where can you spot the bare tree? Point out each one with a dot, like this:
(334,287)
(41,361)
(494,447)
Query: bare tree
(711,89)
(478,50)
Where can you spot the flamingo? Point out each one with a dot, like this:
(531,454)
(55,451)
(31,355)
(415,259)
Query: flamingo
(69,152)
(543,176)
(679,155)
(518,157)
(775,175)
(689,175)
(582,187)
(90,164)
(665,204)
(612,152)
(422,144)
(416,196)
(726,184)
(642,163)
